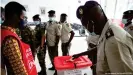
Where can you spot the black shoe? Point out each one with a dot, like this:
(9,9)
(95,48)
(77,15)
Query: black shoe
(52,68)
(55,72)
(42,73)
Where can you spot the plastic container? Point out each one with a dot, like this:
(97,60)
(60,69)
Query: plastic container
(65,66)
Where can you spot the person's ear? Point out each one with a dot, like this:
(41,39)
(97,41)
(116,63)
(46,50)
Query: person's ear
(130,19)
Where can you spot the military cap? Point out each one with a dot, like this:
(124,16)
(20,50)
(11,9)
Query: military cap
(91,4)
(36,16)
(129,12)
(82,10)
(63,14)
(51,12)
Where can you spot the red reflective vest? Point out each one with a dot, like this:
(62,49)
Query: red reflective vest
(25,50)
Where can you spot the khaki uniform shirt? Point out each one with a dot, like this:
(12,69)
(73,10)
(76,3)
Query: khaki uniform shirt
(93,40)
(53,29)
(129,29)
(65,32)
(115,51)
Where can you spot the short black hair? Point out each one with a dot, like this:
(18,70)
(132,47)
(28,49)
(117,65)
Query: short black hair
(64,15)
(51,12)
(2,9)
(129,12)
(13,8)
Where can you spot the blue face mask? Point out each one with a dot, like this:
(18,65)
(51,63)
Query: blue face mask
(22,23)
(1,21)
(37,22)
(51,18)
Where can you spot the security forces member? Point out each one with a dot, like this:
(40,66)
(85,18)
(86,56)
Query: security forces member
(67,34)
(115,46)
(41,48)
(92,43)
(27,36)
(53,33)
(127,20)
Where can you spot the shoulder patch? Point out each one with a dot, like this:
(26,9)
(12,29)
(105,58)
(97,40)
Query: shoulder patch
(59,27)
(109,33)
(67,24)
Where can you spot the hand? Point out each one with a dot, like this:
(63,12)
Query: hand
(75,56)
(41,48)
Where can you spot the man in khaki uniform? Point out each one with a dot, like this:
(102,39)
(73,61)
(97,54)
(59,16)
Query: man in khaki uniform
(115,46)
(53,33)
(127,20)
(67,35)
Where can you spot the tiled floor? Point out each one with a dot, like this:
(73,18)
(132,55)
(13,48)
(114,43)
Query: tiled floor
(78,45)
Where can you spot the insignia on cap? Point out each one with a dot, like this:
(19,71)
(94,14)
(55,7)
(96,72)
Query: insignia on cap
(81,11)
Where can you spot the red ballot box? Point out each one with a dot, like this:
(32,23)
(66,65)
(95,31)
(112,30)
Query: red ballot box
(66,66)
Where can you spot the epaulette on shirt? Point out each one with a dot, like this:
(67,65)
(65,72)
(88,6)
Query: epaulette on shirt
(67,24)
(109,33)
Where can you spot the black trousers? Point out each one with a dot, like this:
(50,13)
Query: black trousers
(93,58)
(53,52)
(65,49)
(41,54)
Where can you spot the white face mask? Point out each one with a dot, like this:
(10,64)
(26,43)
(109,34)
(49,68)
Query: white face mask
(37,22)
(124,21)
(51,18)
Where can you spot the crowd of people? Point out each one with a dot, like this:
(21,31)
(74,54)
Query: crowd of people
(110,47)
(42,37)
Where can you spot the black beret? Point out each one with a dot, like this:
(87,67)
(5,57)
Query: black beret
(129,12)
(80,12)
(36,16)
(63,14)
(51,12)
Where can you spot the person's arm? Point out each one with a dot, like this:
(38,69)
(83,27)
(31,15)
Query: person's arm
(89,52)
(2,68)
(68,28)
(71,37)
(42,41)
(11,51)
(58,33)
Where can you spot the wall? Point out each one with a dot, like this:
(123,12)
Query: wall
(112,8)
